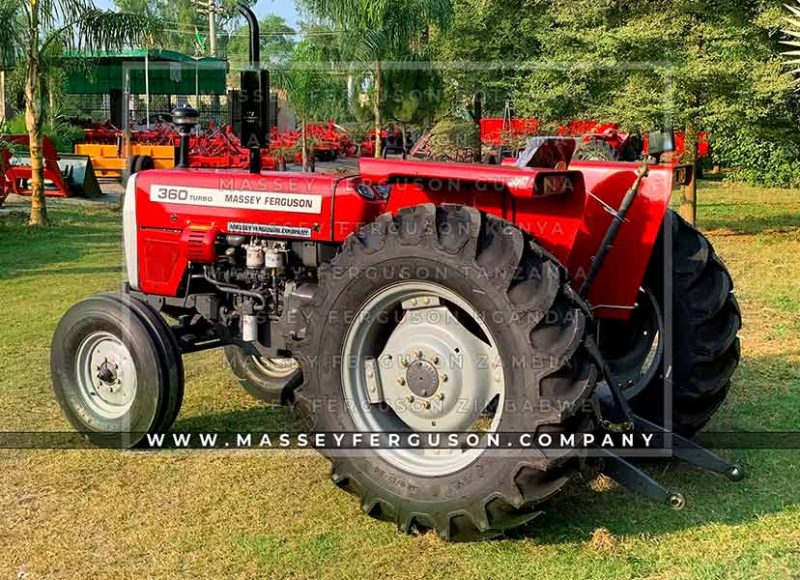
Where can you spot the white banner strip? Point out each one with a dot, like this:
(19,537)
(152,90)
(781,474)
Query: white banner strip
(239,199)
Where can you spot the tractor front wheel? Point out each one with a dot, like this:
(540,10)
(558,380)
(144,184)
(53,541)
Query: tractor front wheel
(444,319)
(116,370)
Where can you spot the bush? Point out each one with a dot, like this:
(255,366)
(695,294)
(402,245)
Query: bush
(453,140)
(758,156)
(63,135)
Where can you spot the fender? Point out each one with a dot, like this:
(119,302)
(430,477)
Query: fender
(571,226)
(616,287)
(552,216)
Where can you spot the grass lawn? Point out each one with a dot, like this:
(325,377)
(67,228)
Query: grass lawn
(85,513)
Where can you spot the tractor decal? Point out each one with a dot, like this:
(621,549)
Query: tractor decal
(257,200)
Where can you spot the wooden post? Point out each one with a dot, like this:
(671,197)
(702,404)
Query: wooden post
(688,209)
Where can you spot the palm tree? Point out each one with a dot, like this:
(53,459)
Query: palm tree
(376,31)
(30,31)
(304,82)
(792,38)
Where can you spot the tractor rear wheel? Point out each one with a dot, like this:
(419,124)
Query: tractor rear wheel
(444,319)
(269,379)
(705,320)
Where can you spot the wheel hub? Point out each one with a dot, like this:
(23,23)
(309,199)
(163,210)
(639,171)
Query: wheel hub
(634,348)
(106,375)
(435,374)
(422,378)
(427,372)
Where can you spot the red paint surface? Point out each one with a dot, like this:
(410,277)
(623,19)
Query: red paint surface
(570,225)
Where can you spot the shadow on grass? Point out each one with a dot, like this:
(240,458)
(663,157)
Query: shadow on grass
(763,399)
(578,512)
(751,224)
(255,419)
(73,234)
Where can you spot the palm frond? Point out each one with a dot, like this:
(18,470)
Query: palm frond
(792,33)
(98,30)
(11,32)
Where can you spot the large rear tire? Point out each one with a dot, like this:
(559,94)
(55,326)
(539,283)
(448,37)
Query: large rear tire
(705,321)
(267,379)
(499,285)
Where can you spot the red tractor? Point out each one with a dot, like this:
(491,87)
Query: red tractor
(418,297)
(550,298)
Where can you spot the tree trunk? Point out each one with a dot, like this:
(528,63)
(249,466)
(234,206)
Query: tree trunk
(377,110)
(2,96)
(688,209)
(33,122)
(51,107)
(303,145)
(403,137)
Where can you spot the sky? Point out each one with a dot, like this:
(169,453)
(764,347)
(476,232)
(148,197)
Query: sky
(285,8)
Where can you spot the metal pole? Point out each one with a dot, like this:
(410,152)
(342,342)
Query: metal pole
(126,100)
(147,86)
(212,48)
(212,29)
(477,114)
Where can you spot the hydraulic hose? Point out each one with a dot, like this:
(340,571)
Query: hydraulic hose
(230,289)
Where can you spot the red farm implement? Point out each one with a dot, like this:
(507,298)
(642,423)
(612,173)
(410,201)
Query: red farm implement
(64,175)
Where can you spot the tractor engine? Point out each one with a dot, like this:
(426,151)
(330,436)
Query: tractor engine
(240,286)
(253,274)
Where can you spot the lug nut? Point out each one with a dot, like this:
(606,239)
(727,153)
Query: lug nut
(413,302)
(426,405)
(401,381)
(444,377)
(403,362)
(418,353)
(440,396)
(435,360)
(426,300)
(409,399)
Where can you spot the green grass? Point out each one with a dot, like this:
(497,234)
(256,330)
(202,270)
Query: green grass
(84,513)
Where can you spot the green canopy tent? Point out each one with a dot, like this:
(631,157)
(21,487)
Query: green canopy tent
(144,72)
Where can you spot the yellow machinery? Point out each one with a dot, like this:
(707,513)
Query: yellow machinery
(108,160)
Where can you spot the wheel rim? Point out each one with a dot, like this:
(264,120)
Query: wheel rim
(634,348)
(414,354)
(276,368)
(106,375)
